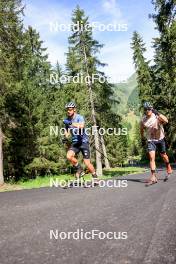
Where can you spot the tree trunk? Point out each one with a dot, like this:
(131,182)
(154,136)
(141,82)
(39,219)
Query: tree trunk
(107,166)
(99,170)
(96,136)
(1,158)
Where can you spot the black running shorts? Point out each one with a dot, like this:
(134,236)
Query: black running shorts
(159,145)
(83,147)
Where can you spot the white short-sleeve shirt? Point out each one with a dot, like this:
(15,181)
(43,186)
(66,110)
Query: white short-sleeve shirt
(153,127)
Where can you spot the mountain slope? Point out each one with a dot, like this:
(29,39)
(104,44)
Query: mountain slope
(127,95)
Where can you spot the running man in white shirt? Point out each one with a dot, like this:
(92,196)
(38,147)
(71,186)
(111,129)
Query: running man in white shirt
(152,123)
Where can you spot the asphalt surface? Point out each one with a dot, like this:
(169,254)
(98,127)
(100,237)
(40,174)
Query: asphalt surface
(147,214)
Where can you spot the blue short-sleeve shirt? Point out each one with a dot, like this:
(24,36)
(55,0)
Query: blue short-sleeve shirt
(78,135)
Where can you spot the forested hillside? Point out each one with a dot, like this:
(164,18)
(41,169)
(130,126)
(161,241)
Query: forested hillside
(30,103)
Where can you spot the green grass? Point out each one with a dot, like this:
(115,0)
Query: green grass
(40,182)
(121,171)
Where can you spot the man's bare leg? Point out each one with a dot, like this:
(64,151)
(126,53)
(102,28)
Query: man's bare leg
(90,166)
(92,170)
(166,161)
(71,157)
(168,166)
(153,177)
(74,162)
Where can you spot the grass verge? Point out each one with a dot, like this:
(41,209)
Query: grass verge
(44,181)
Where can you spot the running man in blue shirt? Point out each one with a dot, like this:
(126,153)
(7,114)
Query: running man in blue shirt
(75,125)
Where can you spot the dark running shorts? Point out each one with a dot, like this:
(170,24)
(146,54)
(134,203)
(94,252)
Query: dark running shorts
(159,145)
(83,147)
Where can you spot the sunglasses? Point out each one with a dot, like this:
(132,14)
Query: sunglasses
(147,109)
(70,109)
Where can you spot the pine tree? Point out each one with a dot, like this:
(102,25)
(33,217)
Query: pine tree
(95,95)
(164,77)
(29,104)
(81,60)
(142,68)
(11,66)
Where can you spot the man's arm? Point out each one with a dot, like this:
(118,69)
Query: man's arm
(80,122)
(162,119)
(78,125)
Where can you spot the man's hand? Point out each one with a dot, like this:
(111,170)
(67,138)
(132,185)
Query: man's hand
(155,112)
(67,122)
(64,140)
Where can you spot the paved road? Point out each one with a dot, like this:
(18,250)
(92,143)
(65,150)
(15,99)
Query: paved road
(148,215)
